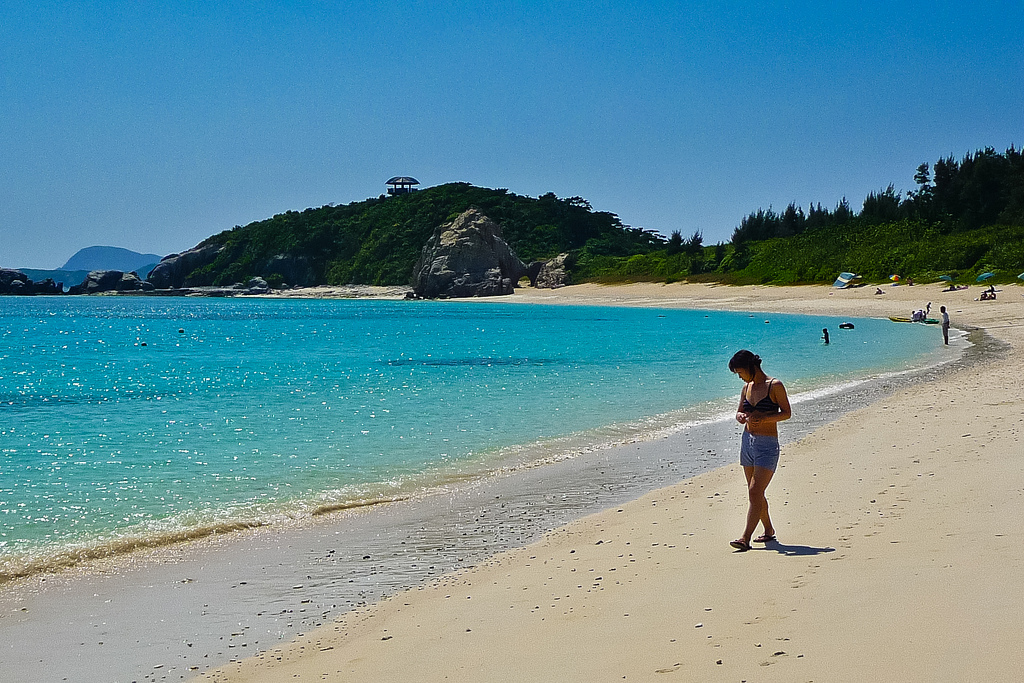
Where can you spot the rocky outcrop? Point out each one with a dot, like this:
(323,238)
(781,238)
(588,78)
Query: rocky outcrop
(553,273)
(295,270)
(16,282)
(255,285)
(466,257)
(13,281)
(173,269)
(110,281)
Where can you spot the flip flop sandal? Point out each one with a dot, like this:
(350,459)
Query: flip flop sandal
(764,538)
(740,545)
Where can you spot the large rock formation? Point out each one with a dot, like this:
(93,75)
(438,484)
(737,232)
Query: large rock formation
(174,268)
(13,281)
(110,281)
(553,273)
(294,270)
(466,257)
(16,282)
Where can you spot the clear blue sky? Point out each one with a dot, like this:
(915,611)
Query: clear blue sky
(152,125)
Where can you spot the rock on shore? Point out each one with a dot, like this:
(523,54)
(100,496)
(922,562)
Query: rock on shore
(16,282)
(553,274)
(110,281)
(174,268)
(466,257)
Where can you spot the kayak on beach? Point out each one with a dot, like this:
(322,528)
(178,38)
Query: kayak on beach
(902,319)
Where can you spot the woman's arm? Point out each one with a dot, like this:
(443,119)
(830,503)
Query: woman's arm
(741,416)
(778,394)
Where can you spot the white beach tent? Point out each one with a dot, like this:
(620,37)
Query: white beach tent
(844,280)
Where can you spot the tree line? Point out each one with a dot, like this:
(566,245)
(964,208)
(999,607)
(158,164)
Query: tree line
(983,188)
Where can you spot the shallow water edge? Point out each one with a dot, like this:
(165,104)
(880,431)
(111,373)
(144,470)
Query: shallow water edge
(188,608)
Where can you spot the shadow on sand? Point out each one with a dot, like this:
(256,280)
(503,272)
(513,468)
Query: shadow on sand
(796,550)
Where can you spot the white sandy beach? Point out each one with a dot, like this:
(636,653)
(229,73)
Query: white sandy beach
(899,557)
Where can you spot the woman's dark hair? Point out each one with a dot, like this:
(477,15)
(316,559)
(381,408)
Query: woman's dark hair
(745,360)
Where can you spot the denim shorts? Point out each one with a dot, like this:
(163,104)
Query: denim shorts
(759,451)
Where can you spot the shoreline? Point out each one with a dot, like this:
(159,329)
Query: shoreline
(506,462)
(509,459)
(901,595)
(483,553)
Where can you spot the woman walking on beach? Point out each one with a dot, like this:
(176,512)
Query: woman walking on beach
(763,404)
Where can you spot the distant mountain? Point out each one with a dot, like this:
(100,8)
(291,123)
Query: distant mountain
(110,258)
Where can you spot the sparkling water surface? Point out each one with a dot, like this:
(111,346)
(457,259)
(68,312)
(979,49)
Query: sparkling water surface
(144,418)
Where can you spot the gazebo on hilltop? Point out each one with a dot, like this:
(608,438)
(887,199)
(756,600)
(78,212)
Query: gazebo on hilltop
(402,184)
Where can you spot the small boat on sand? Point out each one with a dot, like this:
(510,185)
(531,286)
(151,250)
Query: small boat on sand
(901,319)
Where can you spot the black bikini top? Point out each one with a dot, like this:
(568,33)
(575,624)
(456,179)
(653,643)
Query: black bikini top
(765,405)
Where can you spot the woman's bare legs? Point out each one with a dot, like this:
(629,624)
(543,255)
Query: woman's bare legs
(758,479)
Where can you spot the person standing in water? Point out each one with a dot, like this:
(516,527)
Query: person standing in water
(763,404)
(824,334)
(945,325)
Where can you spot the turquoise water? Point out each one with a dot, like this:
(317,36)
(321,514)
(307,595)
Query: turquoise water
(139,419)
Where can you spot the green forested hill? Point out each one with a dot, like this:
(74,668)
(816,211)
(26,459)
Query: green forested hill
(964,217)
(377,241)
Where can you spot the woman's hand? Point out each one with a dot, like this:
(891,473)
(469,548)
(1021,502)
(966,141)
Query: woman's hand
(742,418)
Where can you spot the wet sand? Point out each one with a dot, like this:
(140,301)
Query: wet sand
(899,551)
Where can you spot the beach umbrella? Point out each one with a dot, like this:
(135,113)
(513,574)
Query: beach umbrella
(984,276)
(946,278)
(894,278)
(1021,276)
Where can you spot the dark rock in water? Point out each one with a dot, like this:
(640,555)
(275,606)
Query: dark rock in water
(295,270)
(16,282)
(173,269)
(553,273)
(466,257)
(110,281)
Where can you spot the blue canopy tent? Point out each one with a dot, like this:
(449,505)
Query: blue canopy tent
(844,280)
